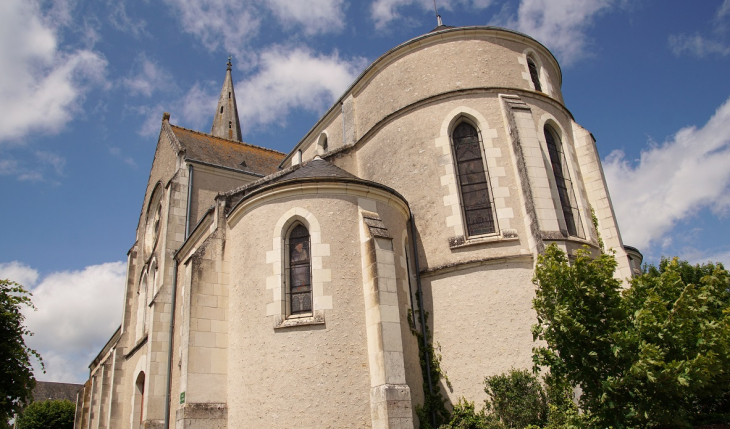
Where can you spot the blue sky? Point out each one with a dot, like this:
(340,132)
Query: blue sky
(84,85)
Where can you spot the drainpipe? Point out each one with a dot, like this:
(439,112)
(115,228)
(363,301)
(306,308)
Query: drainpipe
(190,194)
(421,311)
(169,345)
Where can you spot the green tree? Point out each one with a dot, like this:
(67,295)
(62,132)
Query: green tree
(16,372)
(48,415)
(654,354)
(516,398)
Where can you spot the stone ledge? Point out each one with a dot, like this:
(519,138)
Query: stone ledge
(316,319)
(207,411)
(461,241)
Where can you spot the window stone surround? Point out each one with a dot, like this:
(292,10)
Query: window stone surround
(276,282)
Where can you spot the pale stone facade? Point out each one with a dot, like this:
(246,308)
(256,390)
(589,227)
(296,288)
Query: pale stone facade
(216,330)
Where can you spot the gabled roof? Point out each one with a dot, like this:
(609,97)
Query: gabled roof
(229,154)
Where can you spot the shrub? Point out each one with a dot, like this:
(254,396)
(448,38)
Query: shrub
(48,415)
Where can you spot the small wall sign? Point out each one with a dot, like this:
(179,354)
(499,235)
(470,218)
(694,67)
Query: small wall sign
(182,397)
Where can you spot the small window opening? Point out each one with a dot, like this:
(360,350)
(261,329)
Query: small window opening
(300,279)
(229,94)
(230,124)
(534,74)
(221,109)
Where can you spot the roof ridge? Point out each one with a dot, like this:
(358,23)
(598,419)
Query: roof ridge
(227,140)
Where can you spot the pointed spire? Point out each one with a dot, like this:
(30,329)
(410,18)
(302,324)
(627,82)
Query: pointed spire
(225,122)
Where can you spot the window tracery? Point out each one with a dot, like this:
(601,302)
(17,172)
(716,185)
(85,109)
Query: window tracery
(534,75)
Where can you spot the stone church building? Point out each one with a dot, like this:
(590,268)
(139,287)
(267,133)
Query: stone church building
(273,290)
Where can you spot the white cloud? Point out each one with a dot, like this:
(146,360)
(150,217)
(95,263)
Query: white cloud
(672,181)
(19,273)
(41,86)
(294,79)
(561,25)
(77,312)
(385,11)
(146,77)
(232,24)
(226,24)
(198,105)
(697,45)
(314,16)
(34,170)
(121,21)
(702,46)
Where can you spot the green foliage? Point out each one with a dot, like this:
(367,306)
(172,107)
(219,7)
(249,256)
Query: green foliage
(654,355)
(594,219)
(433,408)
(465,416)
(516,398)
(16,372)
(48,415)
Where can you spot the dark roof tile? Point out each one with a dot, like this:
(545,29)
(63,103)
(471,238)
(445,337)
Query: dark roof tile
(230,154)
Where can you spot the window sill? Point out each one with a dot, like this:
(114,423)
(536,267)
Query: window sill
(461,241)
(316,319)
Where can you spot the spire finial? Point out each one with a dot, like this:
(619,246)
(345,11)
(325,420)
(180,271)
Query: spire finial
(438,17)
(228,64)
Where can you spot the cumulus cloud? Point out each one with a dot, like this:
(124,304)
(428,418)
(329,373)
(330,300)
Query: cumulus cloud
(232,24)
(294,79)
(559,24)
(19,273)
(198,105)
(77,312)
(384,11)
(146,77)
(314,16)
(686,174)
(41,85)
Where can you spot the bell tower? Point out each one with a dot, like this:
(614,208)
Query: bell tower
(225,123)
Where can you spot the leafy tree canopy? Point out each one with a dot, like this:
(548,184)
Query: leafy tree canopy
(16,372)
(656,354)
(48,414)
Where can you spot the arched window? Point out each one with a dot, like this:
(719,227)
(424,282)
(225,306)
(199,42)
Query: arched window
(141,307)
(472,176)
(534,74)
(299,269)
(138,405)
(563,182)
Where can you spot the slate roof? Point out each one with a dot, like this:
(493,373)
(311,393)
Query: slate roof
(45,390)
(316,168)
(230,154)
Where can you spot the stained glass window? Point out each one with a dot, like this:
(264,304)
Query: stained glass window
(533,74)
(564,184)
(300,280)
(474,188)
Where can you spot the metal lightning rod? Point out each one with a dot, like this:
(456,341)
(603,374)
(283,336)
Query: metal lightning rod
(438,17)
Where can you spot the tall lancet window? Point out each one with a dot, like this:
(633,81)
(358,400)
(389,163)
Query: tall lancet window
(300,271)
(563,182)
(473,183)
(534,75)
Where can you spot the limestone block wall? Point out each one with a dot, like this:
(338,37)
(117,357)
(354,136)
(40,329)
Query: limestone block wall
(413,155)
(207,182)
(315,374)
(599,198)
